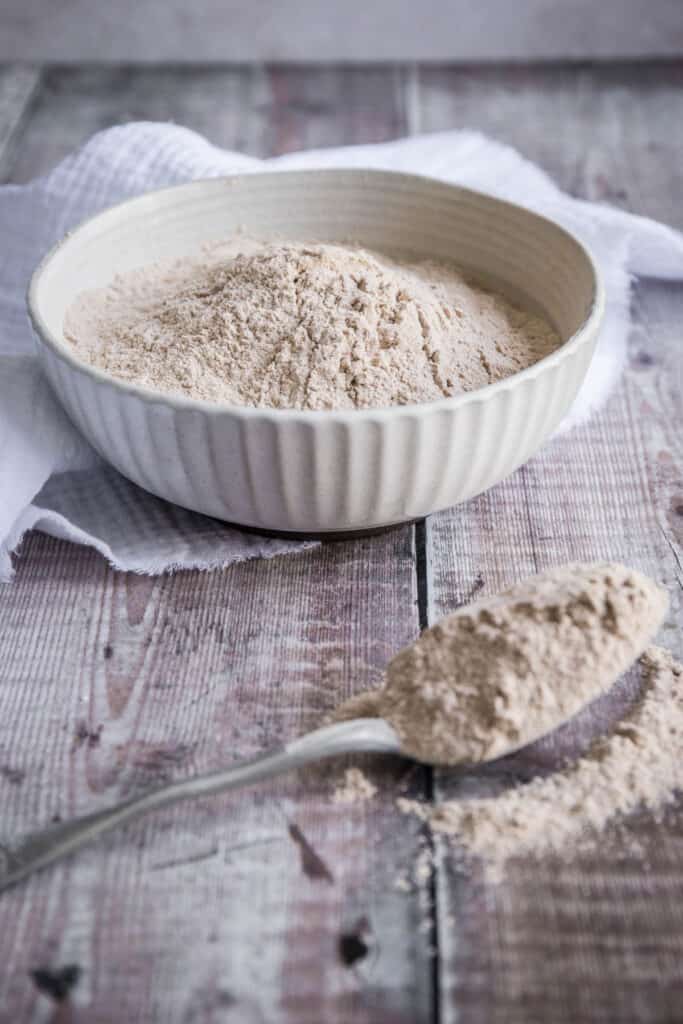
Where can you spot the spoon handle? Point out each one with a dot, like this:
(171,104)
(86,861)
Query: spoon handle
(42,848)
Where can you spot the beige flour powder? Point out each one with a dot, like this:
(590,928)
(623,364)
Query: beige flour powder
(499,673)
(356,788)
(638,764)
(304,326)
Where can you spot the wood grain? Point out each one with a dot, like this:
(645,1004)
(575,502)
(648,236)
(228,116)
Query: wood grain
(603,132)
(114,682)
(73,104)
(598,938)
(311,105)
(18,86)
(263,112)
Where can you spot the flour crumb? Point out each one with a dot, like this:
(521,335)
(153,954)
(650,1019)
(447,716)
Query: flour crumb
(297,325)
(420,872)
(424,865)
(415,807)
(355,789)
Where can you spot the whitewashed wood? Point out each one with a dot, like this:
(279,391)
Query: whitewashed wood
(73,104)
(367,103)
(18,85)
(113,682)
(259,111)
(603,132)
(303,30)
(600,939)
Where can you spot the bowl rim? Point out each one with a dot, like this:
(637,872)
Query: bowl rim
(58,347)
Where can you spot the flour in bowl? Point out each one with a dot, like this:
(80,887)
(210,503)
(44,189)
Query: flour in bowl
(304,326)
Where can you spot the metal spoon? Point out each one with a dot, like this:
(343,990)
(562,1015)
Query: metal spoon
(39,849)
(359,735)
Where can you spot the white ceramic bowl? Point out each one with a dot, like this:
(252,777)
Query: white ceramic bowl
(319,472)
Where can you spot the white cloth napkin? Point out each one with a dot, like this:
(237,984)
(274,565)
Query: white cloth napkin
(52,480)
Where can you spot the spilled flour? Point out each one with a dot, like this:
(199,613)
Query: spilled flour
(356,788)
(503,671)
(304,326)
(507,669)
(638,764)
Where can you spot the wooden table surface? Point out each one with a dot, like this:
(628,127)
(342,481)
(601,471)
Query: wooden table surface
(244,908)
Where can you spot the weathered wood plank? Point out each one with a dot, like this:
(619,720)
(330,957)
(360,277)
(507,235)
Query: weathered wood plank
(599,939)
(278,110)
(73,104)
(18,86)
(112,682)
(303,30)
(309,106)
(260,112)
(605,132)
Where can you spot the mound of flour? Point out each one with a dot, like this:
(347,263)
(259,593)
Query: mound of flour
(497,674)
(304,326)
(502,671)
